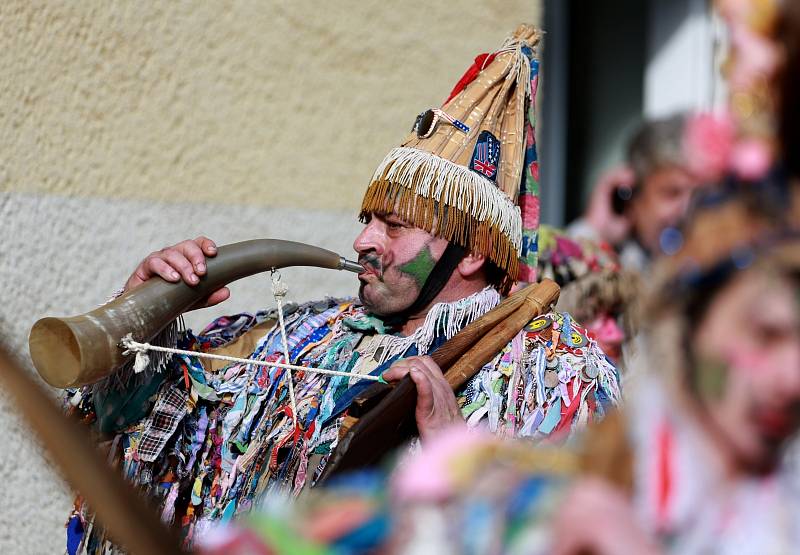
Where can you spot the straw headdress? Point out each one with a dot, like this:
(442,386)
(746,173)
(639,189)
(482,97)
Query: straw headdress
(466,168)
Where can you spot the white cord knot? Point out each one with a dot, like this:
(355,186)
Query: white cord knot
(142,359)
(279,289)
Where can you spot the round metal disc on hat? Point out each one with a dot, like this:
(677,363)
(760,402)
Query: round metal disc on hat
(539,324)
(590,372)
(550,378)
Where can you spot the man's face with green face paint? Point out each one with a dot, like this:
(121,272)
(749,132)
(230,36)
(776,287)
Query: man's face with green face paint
(398,258)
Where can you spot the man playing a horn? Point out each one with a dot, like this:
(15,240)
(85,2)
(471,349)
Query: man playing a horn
(450,224)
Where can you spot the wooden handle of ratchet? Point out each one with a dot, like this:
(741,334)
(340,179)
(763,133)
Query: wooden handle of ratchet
(445,355)
(537,299)
(384,414)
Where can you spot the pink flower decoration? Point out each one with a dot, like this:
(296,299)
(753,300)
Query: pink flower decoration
(529,206)
(751,159)
(535,170)
(707,144)
(426,475)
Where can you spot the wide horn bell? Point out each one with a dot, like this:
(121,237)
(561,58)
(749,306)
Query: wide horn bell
(79,350)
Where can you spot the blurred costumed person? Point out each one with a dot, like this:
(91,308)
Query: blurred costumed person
(595,289)
(700,459)
(450,218)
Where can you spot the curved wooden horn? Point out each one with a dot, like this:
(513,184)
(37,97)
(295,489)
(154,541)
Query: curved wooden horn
(83,349)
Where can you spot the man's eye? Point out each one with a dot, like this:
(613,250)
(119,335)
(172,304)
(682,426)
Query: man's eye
(394,225)
(770,334)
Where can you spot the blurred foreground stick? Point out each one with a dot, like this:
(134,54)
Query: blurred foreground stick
(119,508)
(382,418)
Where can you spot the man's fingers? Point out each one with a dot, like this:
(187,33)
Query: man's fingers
(208,246)
(157,266)
(425,396)
(436,404)
(195,255)
(178,261)
(446,399)
(214,298)
(185,260)
(218,296)
(430,365)
(402,367)
(439,384)
(397,370)
(138,277)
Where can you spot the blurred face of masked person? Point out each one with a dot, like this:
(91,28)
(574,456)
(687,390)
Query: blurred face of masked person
(661,202)
(746,367)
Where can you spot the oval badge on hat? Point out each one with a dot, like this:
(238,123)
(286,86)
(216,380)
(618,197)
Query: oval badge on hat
(486,156)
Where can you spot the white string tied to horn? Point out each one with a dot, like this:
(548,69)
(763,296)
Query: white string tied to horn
(140,348)
(279,291)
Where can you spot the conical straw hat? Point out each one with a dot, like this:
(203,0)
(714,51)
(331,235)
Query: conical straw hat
(459,173)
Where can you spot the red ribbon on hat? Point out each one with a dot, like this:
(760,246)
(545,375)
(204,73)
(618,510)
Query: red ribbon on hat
(481,61)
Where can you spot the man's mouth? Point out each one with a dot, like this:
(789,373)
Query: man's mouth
(776,423)
(371,265)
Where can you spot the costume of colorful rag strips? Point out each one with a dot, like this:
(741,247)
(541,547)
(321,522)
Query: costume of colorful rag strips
(209,440)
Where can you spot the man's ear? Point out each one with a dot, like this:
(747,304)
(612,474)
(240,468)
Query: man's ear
(471,264)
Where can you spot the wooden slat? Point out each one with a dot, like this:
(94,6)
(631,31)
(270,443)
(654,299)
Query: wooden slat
(121,509)
(537,299)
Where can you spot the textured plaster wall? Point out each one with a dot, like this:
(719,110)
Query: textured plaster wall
(131,125)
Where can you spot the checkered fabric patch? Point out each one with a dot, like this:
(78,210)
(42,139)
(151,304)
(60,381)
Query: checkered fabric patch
(167,413)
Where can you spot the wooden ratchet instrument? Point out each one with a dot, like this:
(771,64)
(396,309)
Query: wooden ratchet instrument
(382,418)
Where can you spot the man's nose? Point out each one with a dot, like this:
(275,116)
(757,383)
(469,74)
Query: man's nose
(369,239)
(790,368)
(683,205)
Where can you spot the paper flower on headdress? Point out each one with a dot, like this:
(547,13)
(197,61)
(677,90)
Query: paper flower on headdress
(741,139)
(466,168)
